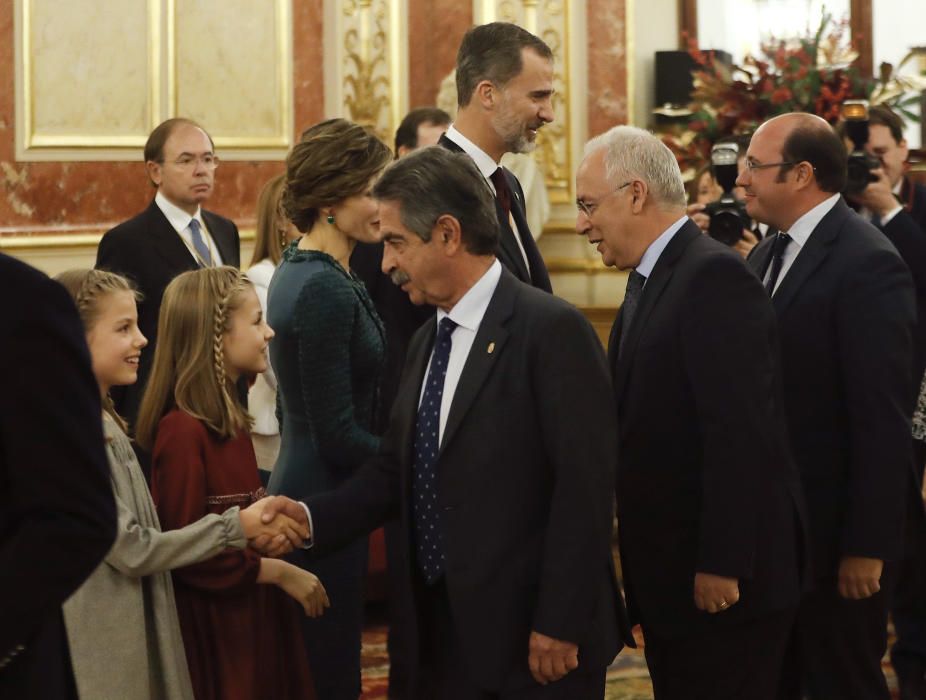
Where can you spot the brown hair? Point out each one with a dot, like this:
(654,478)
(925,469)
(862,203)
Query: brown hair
(269,236)
(884,116)
(493,52)
(336,159)
(88,288)
(189,362)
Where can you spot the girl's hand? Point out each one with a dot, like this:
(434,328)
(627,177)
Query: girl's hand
(305,588)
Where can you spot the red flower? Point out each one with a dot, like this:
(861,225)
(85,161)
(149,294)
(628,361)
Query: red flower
(781,95)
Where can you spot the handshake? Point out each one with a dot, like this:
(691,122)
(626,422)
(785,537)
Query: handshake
(275,525)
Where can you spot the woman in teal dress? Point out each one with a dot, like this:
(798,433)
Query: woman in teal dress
(328,354)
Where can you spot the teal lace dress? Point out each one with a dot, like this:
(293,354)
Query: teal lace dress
(328,355)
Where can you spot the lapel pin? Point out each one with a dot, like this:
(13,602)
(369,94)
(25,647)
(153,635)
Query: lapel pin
(491,347)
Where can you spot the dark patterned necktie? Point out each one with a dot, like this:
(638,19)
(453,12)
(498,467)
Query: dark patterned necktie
(778,253)
(635,282)
(429,544)
(502,191)
(200,245)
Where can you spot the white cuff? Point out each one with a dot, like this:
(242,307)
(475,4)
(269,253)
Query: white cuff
(307,544)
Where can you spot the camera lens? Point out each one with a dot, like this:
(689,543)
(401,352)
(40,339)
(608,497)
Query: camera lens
(726,226)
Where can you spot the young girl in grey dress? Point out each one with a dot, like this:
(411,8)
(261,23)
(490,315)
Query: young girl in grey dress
(122,623)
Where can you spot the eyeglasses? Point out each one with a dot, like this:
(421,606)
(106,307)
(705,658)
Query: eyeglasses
(752,165)
(186,162)
(589,209)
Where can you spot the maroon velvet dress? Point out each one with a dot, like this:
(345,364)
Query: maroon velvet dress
(242,638)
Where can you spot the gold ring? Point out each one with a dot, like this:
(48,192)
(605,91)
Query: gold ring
(723,603)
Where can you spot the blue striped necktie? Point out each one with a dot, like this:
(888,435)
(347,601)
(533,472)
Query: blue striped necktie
(200,245)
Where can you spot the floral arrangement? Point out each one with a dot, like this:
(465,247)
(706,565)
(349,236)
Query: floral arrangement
(813,74)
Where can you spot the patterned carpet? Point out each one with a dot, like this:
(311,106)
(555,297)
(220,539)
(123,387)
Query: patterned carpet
(628,678)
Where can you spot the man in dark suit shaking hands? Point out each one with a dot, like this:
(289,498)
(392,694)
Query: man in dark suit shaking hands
(846,311)
(499,459)
(173,235)
(708,497)
(505,95)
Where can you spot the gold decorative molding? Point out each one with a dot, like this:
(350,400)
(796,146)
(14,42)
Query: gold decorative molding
(243,137)
(68,238)
(35,143)
(551,20)
(366,62)
(251,137)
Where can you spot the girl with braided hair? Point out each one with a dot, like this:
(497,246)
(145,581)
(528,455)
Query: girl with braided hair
(242,638)
(122,624)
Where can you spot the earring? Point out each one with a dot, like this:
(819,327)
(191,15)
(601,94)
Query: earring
(331,219)
(283,242)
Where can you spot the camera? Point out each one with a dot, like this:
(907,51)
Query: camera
(728,214)
(861,163)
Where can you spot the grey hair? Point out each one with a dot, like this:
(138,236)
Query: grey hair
(432,182)
(636,153)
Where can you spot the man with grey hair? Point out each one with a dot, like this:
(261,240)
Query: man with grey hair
(505,93)
(709,504)
(499,459)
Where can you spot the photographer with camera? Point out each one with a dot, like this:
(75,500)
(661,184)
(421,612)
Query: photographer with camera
(718,207)
(882,193)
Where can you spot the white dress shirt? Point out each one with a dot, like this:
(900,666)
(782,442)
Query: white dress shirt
(486,166)
(180,220)
(652,253)
(800,233)
(467,313)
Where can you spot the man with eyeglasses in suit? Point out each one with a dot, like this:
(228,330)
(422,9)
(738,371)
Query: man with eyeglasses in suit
(173,235)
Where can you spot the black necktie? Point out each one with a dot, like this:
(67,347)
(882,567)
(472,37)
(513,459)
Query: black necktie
(635,282)
(502,191)
(778,253)
(429,545)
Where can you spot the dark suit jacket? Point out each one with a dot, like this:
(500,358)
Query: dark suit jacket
(525,473)
(907,231)
(508,252)
(57,515)
(148,250)
(705,482)
(846,312)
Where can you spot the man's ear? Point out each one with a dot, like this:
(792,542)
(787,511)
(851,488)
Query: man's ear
(448,233)
(639,191)
(154,172)
(486,93)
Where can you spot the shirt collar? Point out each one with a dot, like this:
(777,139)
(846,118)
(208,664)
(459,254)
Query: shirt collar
(483,160)
(468,312)
(178,218)
(804,226)
(651,256)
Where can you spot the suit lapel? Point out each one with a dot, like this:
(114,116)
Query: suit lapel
(483,355)
(539,277)
(655,285)
(224,243)
(811,255)
(760,258)
(405,412)
(167,242)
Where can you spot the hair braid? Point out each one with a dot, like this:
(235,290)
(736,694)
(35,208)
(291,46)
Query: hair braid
(88,288)
(220,324)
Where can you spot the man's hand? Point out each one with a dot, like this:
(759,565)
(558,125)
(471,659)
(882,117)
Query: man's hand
(696,213)
(859,577)
(746,243)
(271,507)
(283,532)
(551,659)
(715,594)
(877,197)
